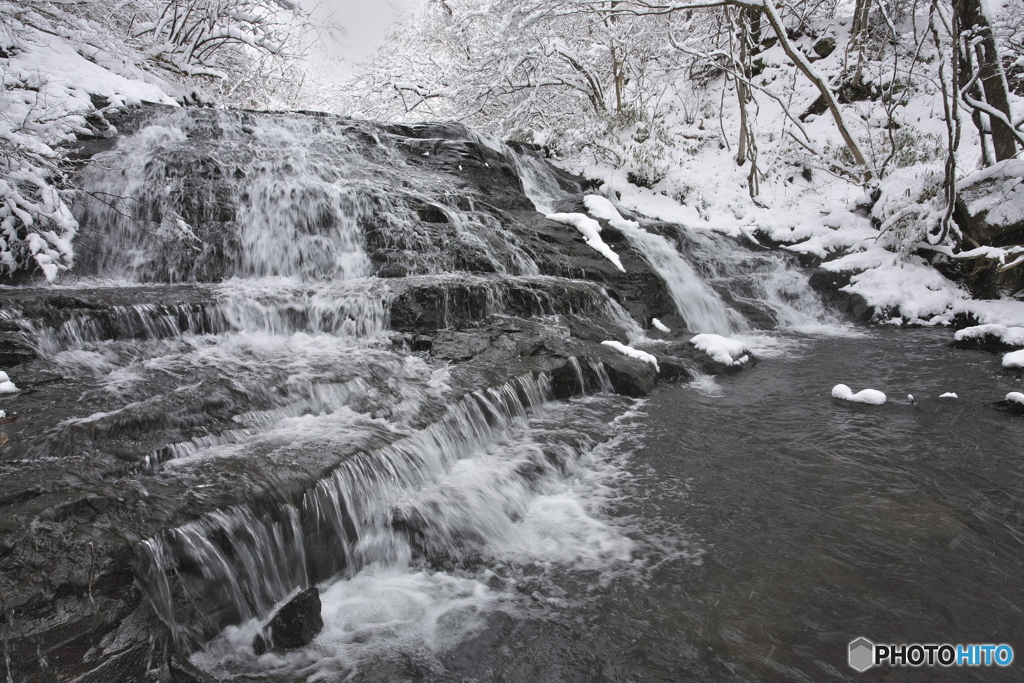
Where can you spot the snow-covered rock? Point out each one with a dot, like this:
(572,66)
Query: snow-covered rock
(1014,359)
(1015,397)
(991,202)
(658,325)
(599,207)
(633,353)
(6,385)
(989,335)
(949,394)
(722,349)
(591,231)
(872,396)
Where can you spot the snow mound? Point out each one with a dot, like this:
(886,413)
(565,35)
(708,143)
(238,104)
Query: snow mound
(1014,359)
(591,231)
(1003,208)
(871,396)
(1011,336)
(633,353)
(599,207)
(6,385)
(658,325)
(949,394)
(1015,396)
(722,349)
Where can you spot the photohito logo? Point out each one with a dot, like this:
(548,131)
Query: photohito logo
(864,654)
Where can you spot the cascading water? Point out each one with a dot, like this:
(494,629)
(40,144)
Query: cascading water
(308,351)
(765,284)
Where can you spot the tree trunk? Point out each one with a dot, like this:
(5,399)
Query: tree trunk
(979,39)
(819,82)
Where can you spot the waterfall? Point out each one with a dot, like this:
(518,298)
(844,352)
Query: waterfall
(380,507)
(305,350)
(768,284)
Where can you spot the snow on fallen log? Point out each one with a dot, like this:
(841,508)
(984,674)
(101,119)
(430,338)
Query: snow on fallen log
(872,396)
(722,349)
(591,231)
(633,353)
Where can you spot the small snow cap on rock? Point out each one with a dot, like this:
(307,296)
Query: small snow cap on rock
(6,385)
(871,396)
(1015,397)
(1014,359)
(949,394)
(722,349)
(633,353)
(591,231)
(658,325)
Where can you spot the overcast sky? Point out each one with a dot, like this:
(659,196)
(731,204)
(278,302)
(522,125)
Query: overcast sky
(365,21)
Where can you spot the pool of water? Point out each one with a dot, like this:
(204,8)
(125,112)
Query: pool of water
(761,525)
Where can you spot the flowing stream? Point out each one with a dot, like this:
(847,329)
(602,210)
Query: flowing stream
(248,384)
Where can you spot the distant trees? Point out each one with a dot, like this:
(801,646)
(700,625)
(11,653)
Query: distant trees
(569,71)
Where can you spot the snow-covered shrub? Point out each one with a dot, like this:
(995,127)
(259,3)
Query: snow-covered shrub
(910,205)
(36,225)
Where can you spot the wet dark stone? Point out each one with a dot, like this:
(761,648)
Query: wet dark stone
(183,671)
(631,377)
(825,46)
(294,625)
(829,284)
(985,342)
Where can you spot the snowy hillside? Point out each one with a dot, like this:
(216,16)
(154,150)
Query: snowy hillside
(65,64)
(704,116)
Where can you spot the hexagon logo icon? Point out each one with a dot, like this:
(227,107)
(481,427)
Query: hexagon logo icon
(862,654)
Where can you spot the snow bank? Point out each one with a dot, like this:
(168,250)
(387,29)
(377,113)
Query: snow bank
(906,285)
(1015,396)
(633,353)
(1014,359)
(599,207)
(50,72)
(6,385)
(1003,208)
(722,349)
(1011,336)
(658,325)
(871,396)
(590,229)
